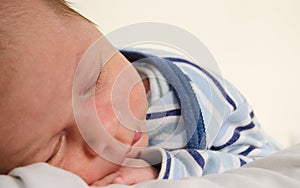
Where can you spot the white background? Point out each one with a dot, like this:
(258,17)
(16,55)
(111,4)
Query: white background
(255,43)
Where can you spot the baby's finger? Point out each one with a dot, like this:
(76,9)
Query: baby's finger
(129,176)
(106,180)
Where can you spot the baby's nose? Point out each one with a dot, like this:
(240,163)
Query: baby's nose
(124,134)
(112,143)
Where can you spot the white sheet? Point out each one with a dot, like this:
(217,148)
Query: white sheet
(281,170)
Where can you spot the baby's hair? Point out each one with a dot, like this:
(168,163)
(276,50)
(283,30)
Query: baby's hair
(62,7)
(10,23)
(18,23)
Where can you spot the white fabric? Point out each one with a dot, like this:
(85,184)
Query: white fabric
(231,136)
(280,170)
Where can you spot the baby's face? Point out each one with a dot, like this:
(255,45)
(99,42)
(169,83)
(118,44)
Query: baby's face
(36,113)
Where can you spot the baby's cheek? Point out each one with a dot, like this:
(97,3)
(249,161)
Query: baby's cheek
(138,102)
(90,169)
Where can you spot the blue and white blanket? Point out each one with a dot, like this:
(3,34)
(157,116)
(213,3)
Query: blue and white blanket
(198,122)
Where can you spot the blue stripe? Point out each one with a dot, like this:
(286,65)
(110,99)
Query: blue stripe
(242,162)
(252,114)
(235,137)
(198,158)
(247,151)
(156,115)
(216,82)
(247,127)
(168,166)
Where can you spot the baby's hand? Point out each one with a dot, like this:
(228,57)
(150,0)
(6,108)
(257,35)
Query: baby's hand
(130,175)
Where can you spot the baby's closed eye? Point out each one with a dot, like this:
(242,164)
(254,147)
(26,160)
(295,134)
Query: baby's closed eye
(58,149)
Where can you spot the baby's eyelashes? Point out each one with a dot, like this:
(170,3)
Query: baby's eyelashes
(101,80)
(99,84)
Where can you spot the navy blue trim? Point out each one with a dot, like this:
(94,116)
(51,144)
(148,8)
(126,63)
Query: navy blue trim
(247,127)
(197,157)
(235,137)
(252,114)
(247,151)
(133,56)
(232,140)
(190,109)
(242,162)
(168,166)
(156,115)
(216,82)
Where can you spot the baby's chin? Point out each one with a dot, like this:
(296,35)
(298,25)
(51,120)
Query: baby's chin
(101,172)
(142,143)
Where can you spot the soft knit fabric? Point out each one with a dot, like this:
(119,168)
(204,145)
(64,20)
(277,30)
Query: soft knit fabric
(198,122)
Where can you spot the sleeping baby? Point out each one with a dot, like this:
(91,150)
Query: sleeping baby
(71,100)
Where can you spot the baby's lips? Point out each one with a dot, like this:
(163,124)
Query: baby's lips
(137,137)
(134,151)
